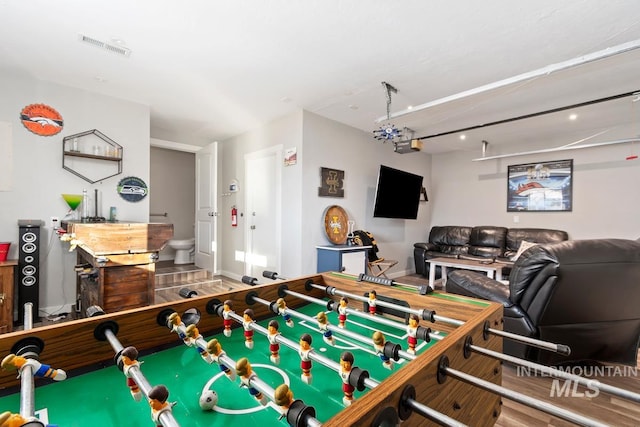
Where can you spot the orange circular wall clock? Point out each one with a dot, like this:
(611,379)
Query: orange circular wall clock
(41,119)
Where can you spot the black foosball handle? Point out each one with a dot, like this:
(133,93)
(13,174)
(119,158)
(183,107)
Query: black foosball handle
(187,293)
(252,281)
(270,274)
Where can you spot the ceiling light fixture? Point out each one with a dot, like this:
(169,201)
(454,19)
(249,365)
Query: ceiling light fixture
(387,132)
(573,116)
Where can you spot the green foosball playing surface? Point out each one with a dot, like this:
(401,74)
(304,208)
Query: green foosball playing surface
(101,398)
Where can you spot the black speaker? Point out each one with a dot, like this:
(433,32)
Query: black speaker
(28,277)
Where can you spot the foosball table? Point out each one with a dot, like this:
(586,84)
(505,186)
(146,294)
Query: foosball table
(317,350)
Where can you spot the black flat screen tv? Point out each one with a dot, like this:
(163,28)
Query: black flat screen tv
(397,194)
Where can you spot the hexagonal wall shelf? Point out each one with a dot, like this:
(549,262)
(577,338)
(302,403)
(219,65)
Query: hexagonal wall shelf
(91,155)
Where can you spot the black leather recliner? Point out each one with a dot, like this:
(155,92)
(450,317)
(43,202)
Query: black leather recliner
(581,293)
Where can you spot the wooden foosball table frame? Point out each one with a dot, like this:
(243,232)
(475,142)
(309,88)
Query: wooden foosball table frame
(73,346)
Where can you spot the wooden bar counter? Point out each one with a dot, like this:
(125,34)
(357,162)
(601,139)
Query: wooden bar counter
(116,263)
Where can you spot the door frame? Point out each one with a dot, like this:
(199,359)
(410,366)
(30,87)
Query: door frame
(213,263)
(275,151)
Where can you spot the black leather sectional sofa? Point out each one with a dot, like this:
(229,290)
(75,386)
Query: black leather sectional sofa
(479,242)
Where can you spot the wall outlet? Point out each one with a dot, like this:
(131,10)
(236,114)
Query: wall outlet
(54,222)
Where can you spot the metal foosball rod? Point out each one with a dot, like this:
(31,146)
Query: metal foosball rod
(430,315)
(395,352)
(547,370)
(422,289)
(334,366)
(540,368)
(27,385)
(298,414)
(360,378)
(626,394)
(106,331)
(444,370)
(330,305)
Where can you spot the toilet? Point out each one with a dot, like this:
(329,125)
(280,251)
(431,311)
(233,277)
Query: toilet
(185,248)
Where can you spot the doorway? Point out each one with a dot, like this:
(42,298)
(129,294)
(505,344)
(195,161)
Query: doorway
(263,200)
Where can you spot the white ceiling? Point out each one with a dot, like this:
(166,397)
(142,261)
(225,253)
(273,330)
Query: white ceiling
(212,69)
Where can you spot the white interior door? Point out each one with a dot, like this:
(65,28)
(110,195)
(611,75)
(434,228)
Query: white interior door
(207,208)
(263,217)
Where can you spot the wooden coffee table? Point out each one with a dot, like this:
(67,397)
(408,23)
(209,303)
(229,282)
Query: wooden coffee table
(492,268)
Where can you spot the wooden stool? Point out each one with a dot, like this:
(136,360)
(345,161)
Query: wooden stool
(379,267)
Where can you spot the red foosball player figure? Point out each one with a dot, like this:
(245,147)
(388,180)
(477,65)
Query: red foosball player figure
(194,335)
(412,329)
(216,351)
(13,362)
(378,346)
(346,363)
(245,371)
(372,301)
(282,308)
(305,361)
(342,311)
(274,346)
(158,396)
(227,321)
(323,325)
(129,360)
(247,320)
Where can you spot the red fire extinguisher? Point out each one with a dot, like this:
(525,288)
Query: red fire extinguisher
(234,217)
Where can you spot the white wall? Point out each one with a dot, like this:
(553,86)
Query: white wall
(287,132)
(337,146)
(320,143)
(38,179)
(606,199)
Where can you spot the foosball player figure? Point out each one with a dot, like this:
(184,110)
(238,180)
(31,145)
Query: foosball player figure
(323,325)
(342,311)
(283,397)
(295,411)
(412,333)
(12,362)
(175,322)
(346,363)
(282,310)
(372,301)
(7,419)
(378,346)
(274,346)
(305,361)
(247,320)
(216,351)
(158,396)
(227,321)
(129,356)
(245,371)
(194,335)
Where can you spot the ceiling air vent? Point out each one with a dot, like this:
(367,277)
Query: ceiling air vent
(106,46)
